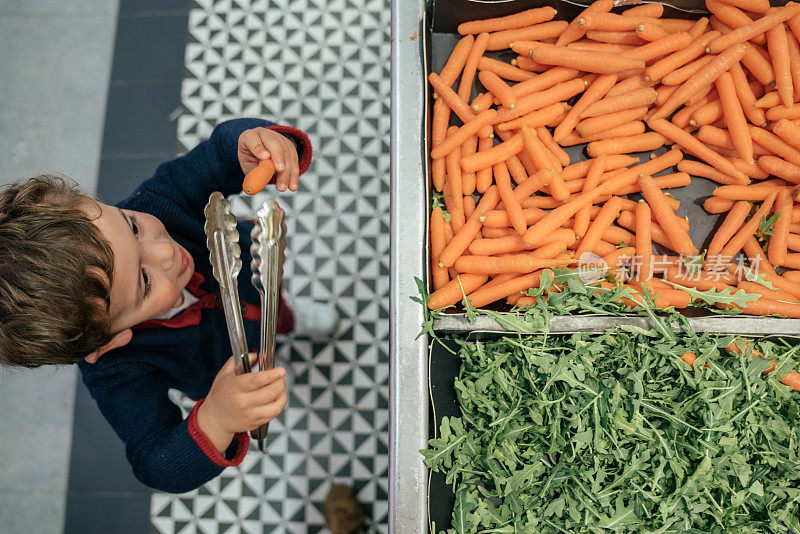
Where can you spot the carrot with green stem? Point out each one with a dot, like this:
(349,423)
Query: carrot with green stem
(757,27)
(517,20)
(778,46)
(466,234)
(735,244)
(707,75)
(454,290)
(593,93)
(681,242)
(730,225)
(688,142)
(734,117)
(679,58)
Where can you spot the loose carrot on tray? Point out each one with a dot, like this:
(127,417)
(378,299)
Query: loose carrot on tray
(593,81)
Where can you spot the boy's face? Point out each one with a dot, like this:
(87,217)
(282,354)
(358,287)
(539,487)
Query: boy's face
(150,268)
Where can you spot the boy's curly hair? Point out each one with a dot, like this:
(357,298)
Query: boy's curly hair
(55,274)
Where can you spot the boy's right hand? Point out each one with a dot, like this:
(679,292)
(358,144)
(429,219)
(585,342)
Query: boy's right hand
(238,403)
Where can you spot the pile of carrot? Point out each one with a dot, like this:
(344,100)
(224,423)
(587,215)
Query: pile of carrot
(722,93)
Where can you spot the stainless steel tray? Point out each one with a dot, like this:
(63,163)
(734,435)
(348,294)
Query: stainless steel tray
(417,48)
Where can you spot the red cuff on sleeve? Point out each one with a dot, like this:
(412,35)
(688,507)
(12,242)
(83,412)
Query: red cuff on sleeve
(208,448)
(302,138)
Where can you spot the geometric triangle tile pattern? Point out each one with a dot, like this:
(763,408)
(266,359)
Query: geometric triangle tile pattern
(322,66)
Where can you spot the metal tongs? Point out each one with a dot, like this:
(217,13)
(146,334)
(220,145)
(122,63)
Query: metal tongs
(267,250)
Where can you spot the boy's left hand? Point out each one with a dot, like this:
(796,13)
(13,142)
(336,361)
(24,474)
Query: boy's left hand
(262,143)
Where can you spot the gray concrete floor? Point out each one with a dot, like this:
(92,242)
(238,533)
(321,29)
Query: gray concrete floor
(55,63)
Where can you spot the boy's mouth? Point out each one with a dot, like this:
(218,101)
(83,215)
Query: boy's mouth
(184,262)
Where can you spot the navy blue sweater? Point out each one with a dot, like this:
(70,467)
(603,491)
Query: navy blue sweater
(130,383)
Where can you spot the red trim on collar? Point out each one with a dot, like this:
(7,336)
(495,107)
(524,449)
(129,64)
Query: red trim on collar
(193,314)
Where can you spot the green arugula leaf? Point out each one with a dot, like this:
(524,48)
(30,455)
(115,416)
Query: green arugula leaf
(766,224)
(714,296)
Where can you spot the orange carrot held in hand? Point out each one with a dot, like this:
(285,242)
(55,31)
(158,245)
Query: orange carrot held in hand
(258,178)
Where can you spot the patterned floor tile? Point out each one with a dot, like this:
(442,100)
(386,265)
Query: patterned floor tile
(322,66)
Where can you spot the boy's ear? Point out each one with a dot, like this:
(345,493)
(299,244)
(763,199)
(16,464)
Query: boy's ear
(119,340)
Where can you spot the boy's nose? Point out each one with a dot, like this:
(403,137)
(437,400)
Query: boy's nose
(161,253)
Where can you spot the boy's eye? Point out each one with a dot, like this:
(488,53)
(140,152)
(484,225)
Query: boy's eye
(147,284)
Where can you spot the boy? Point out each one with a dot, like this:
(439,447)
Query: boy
(127,292)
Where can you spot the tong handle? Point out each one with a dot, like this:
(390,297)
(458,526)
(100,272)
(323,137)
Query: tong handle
(233,313)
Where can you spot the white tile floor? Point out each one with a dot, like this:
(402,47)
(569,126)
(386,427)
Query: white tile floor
(54,70)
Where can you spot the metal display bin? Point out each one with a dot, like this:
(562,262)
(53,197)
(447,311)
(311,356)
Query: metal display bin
(423,34)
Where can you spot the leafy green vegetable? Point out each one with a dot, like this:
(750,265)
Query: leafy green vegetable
(715,296)
(766,224)
(613,432)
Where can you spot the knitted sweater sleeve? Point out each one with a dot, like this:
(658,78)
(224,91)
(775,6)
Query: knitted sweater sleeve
(166,451)
(184,184)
